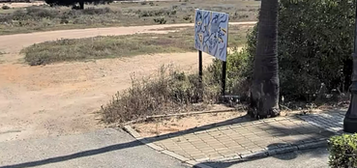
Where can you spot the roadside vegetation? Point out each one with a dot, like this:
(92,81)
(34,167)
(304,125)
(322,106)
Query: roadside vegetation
(43,18)
(169,91)
(314,68)
(343,151)
(120,46)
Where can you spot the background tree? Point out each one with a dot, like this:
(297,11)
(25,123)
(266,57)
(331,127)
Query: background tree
(314,49)
(264,100)
(74,3)
(315,40)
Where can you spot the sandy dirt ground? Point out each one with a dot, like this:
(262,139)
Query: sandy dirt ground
(63,98)
(162,126)
(22,4)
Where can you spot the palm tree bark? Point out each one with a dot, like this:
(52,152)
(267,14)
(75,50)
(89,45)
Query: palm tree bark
(81,4)
(265,87)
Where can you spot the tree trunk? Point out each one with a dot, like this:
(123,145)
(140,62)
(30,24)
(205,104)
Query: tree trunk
(264,100)
(81,5)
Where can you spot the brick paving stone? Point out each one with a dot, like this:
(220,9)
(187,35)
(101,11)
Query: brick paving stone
(244,141)
(203,135)
(211,141)
(226,153)
(249,137)
(225,141)
(240,150)
(217,146)
(180,152)
(231,143)
(220,136)
(237,135)
(215,155)
(197,154)
(235,126)
(201,146)
(256,149)
(262,143)
(187,147)
(246,133)
(223,128)
(206,150)
(238,139)
(215,133)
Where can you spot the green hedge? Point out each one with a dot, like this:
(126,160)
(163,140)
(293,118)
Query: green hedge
(315,46)
(343,151)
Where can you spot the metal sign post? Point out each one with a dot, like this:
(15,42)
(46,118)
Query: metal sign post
(211,36)
(224,69)
(200,65)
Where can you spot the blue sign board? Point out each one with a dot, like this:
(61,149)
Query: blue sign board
(211,33)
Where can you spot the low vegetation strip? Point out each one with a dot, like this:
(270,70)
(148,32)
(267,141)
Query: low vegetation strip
(118,46)
(169,91)
(44,18)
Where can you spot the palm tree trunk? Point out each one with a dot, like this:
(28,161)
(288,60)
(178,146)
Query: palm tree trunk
(265,87)
(81,4)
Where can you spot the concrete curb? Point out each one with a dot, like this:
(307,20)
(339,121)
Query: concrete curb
(137,136)
(241,157)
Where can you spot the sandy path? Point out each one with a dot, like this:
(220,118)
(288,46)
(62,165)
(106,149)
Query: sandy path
(62,98)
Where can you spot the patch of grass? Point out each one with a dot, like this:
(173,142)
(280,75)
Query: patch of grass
(101,47)
(171,91)
(45,18)
(160,20)
(5,7)
(172,28)
(119,46)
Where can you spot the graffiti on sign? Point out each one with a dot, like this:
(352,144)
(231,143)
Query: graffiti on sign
(211,33)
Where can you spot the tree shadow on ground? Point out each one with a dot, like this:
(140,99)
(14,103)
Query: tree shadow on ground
(244,119)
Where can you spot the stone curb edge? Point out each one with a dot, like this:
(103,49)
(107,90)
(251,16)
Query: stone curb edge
(267,153)
(137,136)
(244,157)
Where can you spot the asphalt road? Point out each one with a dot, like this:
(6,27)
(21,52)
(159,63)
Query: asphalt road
(104,148)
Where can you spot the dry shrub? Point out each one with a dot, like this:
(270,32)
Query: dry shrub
(172,91)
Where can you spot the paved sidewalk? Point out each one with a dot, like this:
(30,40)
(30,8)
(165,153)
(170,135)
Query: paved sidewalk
(243,138)
(313,158)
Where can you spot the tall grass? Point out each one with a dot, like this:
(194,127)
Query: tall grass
(171,91)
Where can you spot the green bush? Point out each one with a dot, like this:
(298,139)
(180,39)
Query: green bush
(96,11)
(40,12)
(315,46)
(5,7)
(160,12)
(160,20)
(343,151)
(238,72)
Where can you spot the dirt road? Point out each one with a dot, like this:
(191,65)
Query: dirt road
(62,98)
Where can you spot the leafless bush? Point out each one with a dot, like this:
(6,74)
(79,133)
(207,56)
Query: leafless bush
(171,91)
